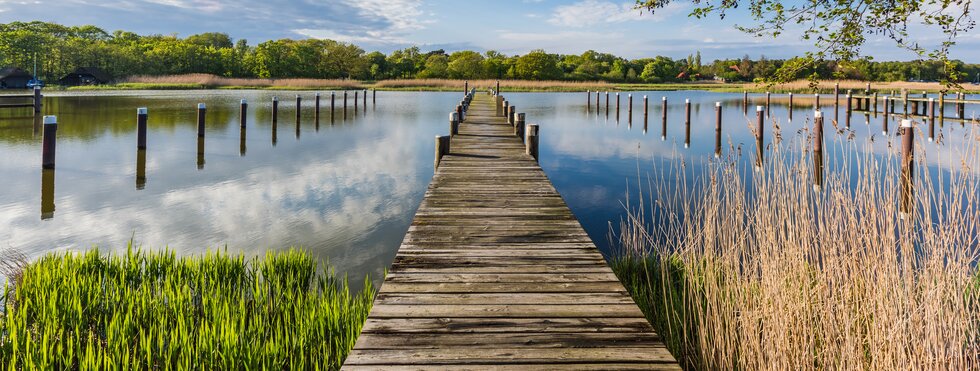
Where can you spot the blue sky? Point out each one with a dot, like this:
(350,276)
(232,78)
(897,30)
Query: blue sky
(508,26)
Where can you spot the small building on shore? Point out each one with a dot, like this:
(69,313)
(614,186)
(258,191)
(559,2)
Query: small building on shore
(85,76)
(14,78)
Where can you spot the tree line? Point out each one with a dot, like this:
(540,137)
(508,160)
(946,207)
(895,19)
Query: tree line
(60,49)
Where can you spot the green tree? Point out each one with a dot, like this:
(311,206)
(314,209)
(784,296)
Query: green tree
(465,65)
(436,67)
(537,65)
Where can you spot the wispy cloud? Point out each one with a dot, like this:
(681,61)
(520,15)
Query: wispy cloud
(593,12)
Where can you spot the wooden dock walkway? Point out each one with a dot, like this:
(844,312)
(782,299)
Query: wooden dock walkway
(496,273)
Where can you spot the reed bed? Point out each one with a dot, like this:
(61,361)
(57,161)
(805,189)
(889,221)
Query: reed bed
(858,86)
(213,81)
(145,310)
(760,270)
(505,85)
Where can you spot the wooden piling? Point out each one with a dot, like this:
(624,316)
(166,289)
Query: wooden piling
(506,110)
(498,87)
(884,119)
(663,119)
(345,104)
(200,153)
(49,141)
(932,119)
(299,105)
(646,114)
(316,111)
(687,123)
(745,99)
(241,142)
(925,109)
(874,105)
(818,150)
(519,125)
(961,106)
(790,108)
(768,101)
(453,123)
(847,110)
(511,110)
(442,148)
(532,141)
(37,100)
(816,102)
(588,101)
(459,112)
(355,101)
(629,108)
(607,103)
(201,110)
(597,103)
(364,95)
(836,94)
(275,110)
(141,114)
(908,165)
(333,105)
(942,108)
(717,129)
(760,133)
(242,113)
(466,87)
(905,103)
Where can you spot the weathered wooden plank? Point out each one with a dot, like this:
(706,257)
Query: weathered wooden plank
(510,298)
(488,287)
(512,340)
(492,325)
(501,277)
(465,355)
(519,367)
(381,310)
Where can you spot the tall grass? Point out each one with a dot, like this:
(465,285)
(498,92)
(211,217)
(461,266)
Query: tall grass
(212,81)
(505,85)
(146,310)
(759,270)
(858,86)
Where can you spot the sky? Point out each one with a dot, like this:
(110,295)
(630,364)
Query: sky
(507,26)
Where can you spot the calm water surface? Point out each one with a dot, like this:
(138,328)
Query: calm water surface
(345,189)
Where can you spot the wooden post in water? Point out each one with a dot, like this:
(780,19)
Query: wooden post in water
(816,102)
(466,87)
(140,169)
(453,123)
(459,112)
(942,108)
(37,100)
(884,119)
(607,103)
(597,103)
(629,108)
(908,165)
(364,95)
(646,114)
(275,110)
(511,110)
(345,104)
(874,106)
(355,101)
(374,97)
(817,150)
(905,103)
(687,123)
(442,148)
(498,88)
(925,108)
(241,138)
(718,129)
(49,141)
(519,125)
(201,109)
(745,99)
(867,97)
(333,105)
(836,94)
(617,106)
(532,140)
(961,106)
(299,104)
(768,101)
(760,133)
(790,108)
(243,113)
(588,101)
(506,110)
(847,110)
(316,111)
(915,107)
(663,119)
(141,114)
(932,119)
(47,193)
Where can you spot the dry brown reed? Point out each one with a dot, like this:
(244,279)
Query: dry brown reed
(758,270)
(484,84)
(207,80)
(858,86)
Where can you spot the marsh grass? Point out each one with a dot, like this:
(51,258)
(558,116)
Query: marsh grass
(505,85)
(753,270)
(154,310)
(212,81)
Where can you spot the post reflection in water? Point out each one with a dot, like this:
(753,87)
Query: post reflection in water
(200,153)
(37,125)
(47,194)
(275,133)
(140,169)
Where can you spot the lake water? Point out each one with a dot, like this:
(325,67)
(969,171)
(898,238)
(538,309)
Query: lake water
(345,189)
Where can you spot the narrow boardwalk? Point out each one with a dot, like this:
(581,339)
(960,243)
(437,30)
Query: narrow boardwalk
(496,273)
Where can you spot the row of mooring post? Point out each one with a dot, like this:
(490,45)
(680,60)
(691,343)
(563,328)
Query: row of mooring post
(456,117)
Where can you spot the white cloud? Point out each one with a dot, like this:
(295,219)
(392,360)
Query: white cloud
(593,12)
(398,17)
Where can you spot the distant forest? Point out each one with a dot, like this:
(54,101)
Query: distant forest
(61,49)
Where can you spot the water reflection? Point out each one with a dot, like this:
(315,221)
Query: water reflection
(140,169)
(47,194)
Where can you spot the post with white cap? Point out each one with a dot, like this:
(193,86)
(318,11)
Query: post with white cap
(141,114)
(453,123)
(442,149)
(663,119)
(760,134)
(617,106)
(817,150)
(532,141)
(745,100)
(932,119)
(717,129)
(374,97)
(874,104)
(201,110)
(588,101)
(908,163)
(241,132)
(687,123)
(37,100)
(629,109)
(597,103)
(365,99)
(646,114)
(836,94)
(816,102)
(49,141)
(275,110)
(333,105)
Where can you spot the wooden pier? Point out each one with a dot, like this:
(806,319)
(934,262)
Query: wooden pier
(496,272)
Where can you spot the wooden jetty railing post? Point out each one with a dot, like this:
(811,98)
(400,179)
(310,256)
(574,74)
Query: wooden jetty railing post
(141,114)
(453,123)
(942,108)
(519,125)
(718,129)
(905,103)
(37,100)
(442,148)
(925,109)
(506,110)
(932,119)
(531,143)
(908,165)
(663,119)
(466,86)
(275,110)
(242,113)
(511,110)
(498,87)
(459,112)
(49,141)
(201,110)
(816,102)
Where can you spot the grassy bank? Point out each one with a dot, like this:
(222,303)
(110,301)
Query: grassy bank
(153,310)
(205,81)
(758,270)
